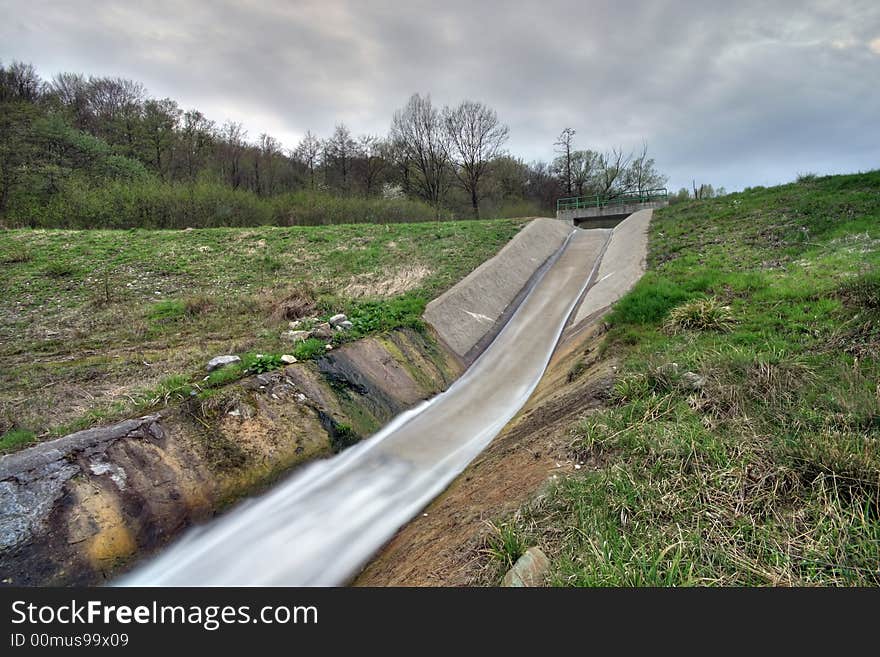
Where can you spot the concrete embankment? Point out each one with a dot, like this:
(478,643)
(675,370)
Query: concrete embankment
(469,315)
(446,545)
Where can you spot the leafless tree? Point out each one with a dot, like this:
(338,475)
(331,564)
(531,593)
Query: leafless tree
(475,137)
(565,145)
(642,174)
(159,126)
(308,151)
(196,135)
(232,149)
(339,153)
(19,81)
(612,170)
(418,128)
(268,151)
(585,167)
(372,153)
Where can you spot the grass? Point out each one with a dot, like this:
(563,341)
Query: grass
(15,439)
(767,472)
(94,323)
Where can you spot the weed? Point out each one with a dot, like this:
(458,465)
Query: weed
(294,304)
(264,363)
(197,304)
(16,439)
(700,315)
(309,349)
(168,310)
(863,291)
(59,269)
(504,544)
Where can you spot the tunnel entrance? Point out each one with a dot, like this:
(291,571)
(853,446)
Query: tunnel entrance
(607,221)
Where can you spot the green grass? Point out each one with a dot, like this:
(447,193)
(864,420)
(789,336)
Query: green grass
(93,322)
(15,439)
(768,472)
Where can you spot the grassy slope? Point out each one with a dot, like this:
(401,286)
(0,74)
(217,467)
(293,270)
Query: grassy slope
(97,324)
(770,472)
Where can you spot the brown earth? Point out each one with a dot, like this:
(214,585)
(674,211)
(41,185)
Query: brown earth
(445,545)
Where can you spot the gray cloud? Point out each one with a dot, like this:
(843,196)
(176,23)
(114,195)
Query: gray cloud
(729,93)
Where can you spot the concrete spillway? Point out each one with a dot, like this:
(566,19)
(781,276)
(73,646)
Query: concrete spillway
(322,524)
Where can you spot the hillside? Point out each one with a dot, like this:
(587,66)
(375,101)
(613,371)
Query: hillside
(98,325)
(721,427)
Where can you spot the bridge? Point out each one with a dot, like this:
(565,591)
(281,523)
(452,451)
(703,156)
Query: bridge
(606,211)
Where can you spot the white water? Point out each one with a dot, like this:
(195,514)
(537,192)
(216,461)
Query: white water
(324,522)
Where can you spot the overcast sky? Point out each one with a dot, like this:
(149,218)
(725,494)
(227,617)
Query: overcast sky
(732,93)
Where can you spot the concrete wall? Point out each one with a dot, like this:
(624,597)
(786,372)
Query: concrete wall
(470,314)
(581,216)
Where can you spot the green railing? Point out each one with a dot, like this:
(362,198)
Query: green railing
(602,201)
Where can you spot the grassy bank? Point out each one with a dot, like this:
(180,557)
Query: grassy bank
(98,324)
(741,442)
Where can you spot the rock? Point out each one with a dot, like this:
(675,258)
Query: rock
(296,336)
(692,381)
(221,361)
(338,319)
(322,332)
(345,326)
(328,347)
(529,570)
(287,359)
(295,324)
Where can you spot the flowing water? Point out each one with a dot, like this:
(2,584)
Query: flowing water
(323,523)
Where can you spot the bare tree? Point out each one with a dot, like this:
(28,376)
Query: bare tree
(159,125)
(372,154)
(308,151)
(268,150)
(565,144)
(475,136)
(418,128)
(339,152)
(116,105)
(71,92)
(642,174)
(19,81)
(232,148)
(585,167)
(196,136)
(612,171)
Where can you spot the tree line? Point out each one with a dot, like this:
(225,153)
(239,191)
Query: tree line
(62,138)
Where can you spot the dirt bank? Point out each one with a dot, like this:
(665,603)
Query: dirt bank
(443,546)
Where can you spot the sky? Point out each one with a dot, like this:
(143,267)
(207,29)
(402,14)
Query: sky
(734,94)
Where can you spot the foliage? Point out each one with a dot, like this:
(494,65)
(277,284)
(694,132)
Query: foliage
(264,363)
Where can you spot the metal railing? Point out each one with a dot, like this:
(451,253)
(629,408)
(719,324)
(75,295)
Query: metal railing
(602,200)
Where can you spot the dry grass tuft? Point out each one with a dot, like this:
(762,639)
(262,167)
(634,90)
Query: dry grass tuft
(290,304)
(390,284)
(700,315)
